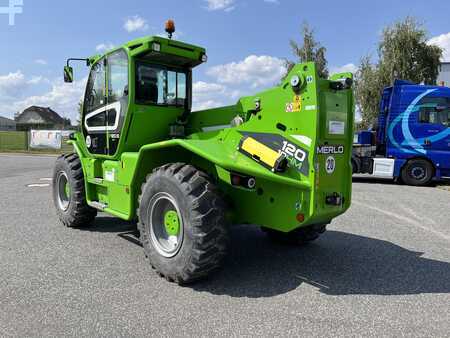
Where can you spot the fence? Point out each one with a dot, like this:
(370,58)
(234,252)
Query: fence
(20,141)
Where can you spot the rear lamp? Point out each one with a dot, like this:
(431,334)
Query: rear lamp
(243,181)
(300,218)
(156,47)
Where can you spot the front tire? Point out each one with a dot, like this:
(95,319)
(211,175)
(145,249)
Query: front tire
(418,172)
(69,194)
(182,223)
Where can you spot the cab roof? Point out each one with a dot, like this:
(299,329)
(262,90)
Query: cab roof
(162,50)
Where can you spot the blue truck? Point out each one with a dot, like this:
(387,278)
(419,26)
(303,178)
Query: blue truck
(411,141)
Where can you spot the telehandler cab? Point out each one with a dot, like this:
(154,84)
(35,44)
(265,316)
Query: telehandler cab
(280,159)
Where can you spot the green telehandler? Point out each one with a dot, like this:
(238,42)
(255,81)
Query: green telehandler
(280,159)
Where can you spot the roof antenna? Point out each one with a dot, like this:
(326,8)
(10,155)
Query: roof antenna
(170,28)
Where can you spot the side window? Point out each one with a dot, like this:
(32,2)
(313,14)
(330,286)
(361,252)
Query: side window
(171,88)
(181,88)
(435,110)
(147,85)
(117,76)
(95,89)
(160,86)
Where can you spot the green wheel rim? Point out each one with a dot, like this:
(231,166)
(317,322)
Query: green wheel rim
(172,223)
(67,189)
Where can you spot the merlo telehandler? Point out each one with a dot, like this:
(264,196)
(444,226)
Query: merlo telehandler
(280,159)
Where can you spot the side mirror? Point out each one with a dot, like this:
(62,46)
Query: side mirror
(68,74)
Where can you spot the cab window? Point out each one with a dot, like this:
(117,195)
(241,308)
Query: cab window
(95,90)
(435,110)
(160,86)
(117,76)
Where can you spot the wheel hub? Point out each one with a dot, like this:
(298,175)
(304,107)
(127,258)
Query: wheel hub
(166,225)
(63,186)
(172,223)
(418,173)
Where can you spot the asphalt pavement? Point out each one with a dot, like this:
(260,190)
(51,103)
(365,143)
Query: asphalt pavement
(381,269)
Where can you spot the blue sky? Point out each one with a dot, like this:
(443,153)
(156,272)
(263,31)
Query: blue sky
(246,40)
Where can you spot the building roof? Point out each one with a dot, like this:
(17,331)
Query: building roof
(47,114)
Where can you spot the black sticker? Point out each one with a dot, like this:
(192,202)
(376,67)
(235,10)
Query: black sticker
(296,155)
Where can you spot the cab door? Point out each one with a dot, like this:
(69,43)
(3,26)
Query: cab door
(94,115)
(106,103)
(433,129)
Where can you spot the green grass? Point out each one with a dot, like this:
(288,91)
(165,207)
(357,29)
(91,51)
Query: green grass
(13,140)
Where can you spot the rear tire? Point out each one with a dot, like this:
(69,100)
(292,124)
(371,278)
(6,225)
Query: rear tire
(182,223)
(69,194)
(298,236)
(417,172)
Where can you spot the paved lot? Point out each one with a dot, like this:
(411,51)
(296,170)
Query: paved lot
(382,269)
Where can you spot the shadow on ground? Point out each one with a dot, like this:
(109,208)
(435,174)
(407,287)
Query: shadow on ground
(338,263)
(124,229)
(373,180)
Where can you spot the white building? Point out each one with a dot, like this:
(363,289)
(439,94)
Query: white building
(7,124)
(444,74)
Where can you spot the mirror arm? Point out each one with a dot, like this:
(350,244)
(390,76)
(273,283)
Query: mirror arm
(77,59)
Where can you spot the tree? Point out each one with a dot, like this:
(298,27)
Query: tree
(403,53)
(309,50)
(368,90)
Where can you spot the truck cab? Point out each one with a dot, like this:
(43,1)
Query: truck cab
(411,140)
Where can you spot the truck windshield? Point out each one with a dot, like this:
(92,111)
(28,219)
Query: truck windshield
(160,85)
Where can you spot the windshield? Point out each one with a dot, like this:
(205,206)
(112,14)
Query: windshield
(160,85)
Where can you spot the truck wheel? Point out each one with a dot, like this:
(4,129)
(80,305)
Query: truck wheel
(69,195)
(298,236)
(417,172)
(182,223)
(354,167)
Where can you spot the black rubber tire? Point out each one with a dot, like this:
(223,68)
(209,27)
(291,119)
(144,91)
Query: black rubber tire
(412,169)
(79,213)
(298,236)
(355,166)
(205,230)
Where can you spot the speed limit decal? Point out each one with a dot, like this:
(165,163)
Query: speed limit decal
(330,164)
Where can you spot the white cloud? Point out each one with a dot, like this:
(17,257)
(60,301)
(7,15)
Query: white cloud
(36,80)
(349,67)
(254,70)
(103,47)
(276,2)
(207,95)
(201,87)
(217,5)
(442,41)
(135,23)
(11,84)
(41,62)
(62,98)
